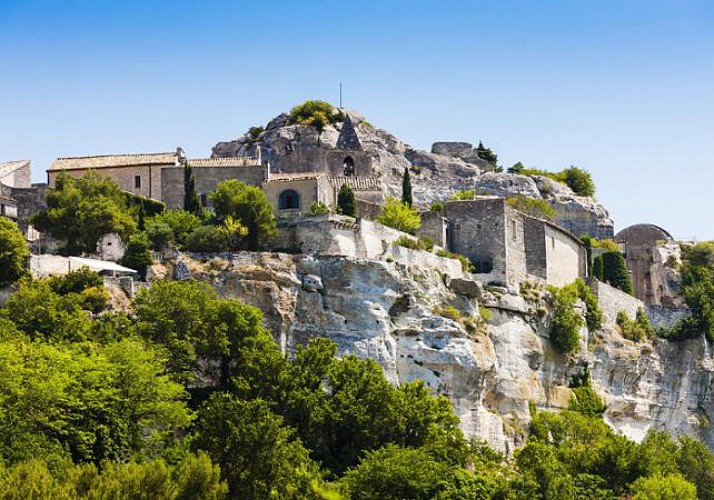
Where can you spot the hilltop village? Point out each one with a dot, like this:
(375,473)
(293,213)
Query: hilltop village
(319,300)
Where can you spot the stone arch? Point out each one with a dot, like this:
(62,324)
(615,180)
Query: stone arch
(348,166)
(289,199)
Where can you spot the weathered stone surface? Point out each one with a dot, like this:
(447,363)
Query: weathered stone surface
(386,311)
(506,185)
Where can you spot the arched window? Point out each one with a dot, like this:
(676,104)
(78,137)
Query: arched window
(288,199)
(348,165)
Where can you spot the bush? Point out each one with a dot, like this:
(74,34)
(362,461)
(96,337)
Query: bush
(315,113)
(159,233)
(399,216)
(466,194)
(319,208)
(95,299)
(614,271)
(533,207)
(346,204)
(564,332)
(593,315)
(207,239)
(14,252)
(437,206)
(465,262)
(138,254)
(578,180)
(181,222)
(447,311)
(636,330)
(75,281)
(407,242)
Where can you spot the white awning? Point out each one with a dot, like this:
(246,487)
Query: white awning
(97,265)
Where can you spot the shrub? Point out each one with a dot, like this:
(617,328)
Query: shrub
(138,254)
(75,281)
(636,330)
(206,239)
(485,313)
(319,208)
(253,134)
(159,233)
(315,113)
(533,207)
(578,180)
(465,194)
(487,154)
(565,333)
(14,252)
(614,271)
(400,216)
(181,222)
(346,204)
(593,315)
(465,262)
(447,311)
(95,299)
(437,206)
(407,242)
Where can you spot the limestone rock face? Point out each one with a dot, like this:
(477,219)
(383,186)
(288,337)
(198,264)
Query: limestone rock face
(492,370)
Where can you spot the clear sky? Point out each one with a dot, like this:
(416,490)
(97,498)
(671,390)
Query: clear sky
(622,88)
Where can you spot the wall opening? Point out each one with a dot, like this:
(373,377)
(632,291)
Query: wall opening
(137,182)
(288,199)
(348,166)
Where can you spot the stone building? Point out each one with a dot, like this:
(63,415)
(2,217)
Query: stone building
(19,198)
(507,246)
(646,248)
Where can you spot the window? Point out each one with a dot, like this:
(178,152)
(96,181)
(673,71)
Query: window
(552,241)
(204,199)
(2,209)
(288,200)
(137,182)
(348,166)
(514,227)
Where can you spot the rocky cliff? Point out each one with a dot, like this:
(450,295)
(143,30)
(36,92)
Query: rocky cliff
(491,361)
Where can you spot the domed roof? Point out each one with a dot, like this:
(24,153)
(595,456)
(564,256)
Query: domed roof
(643,234)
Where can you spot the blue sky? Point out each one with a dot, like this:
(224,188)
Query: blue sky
(624,89)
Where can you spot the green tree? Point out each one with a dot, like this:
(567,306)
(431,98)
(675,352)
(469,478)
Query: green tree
(207,239)
(399,216)
(598,270)
(181,222)
(407,198)
(696,463)
(614,271)
(80,211)
(517,168)
(138,254)
(579,181)
(14,252)
(191,201)
(312,111)
(658,487)
(233,232)
(565,329)
(486,154)
(160,234)
(249,205)
(259,457)
(199,478)
(346,201)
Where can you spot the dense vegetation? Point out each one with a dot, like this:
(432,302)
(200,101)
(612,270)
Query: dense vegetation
(577,179)
(13,252)
(535,207)
(315,113)
(397,214)
(187,395)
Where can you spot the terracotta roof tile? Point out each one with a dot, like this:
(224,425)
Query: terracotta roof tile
(120,160)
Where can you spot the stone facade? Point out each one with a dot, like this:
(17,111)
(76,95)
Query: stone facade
(291,195)
(434,226)
(208,173)
(641,245)
(507,246)
(19,198)
(612,300)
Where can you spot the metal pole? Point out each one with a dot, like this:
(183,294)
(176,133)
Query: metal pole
(340,95)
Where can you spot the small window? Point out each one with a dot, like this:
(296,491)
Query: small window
(288,199)
(204,199)
(514,227)
(2,209)
(137,182)
(348,166)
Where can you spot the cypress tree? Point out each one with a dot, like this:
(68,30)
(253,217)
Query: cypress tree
(588,242)
(407,188)
(346,201)
(614,271)
(191,202)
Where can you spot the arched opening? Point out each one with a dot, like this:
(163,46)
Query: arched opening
(288,199)
(348,166)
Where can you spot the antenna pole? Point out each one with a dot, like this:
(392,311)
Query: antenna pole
(340,95)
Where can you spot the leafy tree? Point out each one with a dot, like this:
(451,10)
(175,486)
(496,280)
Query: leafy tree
(75,281)
(399,216)
(249,205)
(566,324)
(138,254)
(614,271)
(407,198)
(198,477)
(696,463)
(160,234)
(346,201)
(181,222)
(80,211)
(233,232)
(14,252)
(312,111)
(658,487)
(207,239)
(579,181)
(191,201)
(258,456)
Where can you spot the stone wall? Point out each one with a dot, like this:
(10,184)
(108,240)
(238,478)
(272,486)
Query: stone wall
(613,300)
(433,226)
(29,202)
(566,259)
(207,178)
(16,174)
(317,159)
(308,190)
(336,235)
(537,255)
(149,178)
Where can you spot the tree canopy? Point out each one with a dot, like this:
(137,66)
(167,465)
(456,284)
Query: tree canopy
(14,252)
(397,214)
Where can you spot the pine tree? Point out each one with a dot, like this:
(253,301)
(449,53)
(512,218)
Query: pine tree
(346,201)
(487,154)
(191,202)
(407,188)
